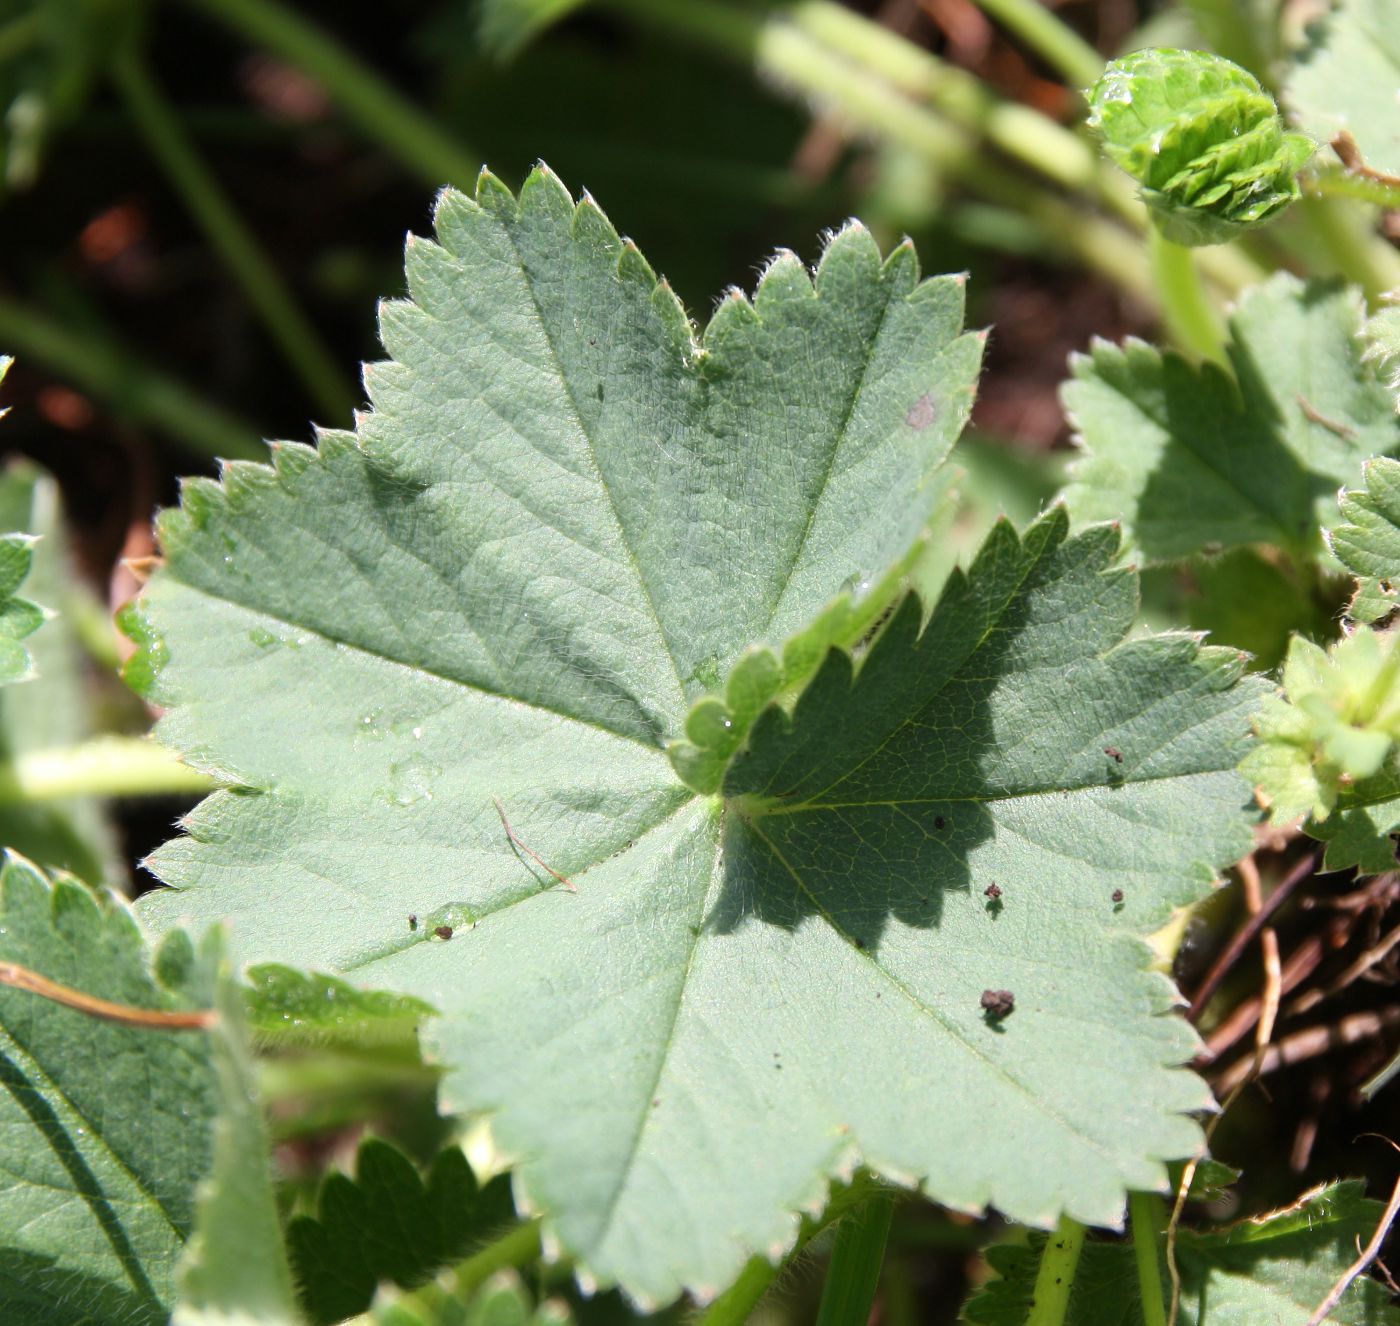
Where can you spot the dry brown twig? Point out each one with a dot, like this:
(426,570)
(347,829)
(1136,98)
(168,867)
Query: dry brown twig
(154,1019)
(1368,1255)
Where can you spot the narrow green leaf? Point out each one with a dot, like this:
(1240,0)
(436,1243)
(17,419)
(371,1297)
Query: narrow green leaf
(1188,459)
(286,1006)
(234,1270)
(1270,1268)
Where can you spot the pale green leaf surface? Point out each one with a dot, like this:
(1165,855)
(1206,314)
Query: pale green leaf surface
(1347,77)
(104,1129)
(234,1268)
(381,639)
(1368,544)
(53,709)
(1271,1270)
(1187,458)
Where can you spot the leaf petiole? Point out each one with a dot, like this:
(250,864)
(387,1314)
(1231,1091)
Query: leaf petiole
(1055,1279)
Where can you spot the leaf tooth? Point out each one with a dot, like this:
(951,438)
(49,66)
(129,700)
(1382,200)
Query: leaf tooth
(493,195)
(631,266)
(734,315)
(201,498)
(783,284)
(849,254)
(543,197)
(243,480)
(292,459)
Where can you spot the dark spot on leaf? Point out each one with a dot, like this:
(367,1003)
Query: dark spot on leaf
(939,821)
(997,1004)
(656,1102)
(1117,895)
(413,922)
(600,391)
(922,413)
(1114,754)
(860,944)
(992,891)
(443,932)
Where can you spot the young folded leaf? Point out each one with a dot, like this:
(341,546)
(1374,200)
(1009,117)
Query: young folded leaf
(1202,137)
(445,660)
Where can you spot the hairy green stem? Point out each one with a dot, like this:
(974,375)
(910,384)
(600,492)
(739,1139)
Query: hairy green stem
(224,228)
(1055,1279)
(854,1273)
(382,113)
(104,767)
(517,1247)
(1059,45)
(1148,1215)
(1338,182)
(1345,233)
(736,1304)
(1191,319)
(132,388)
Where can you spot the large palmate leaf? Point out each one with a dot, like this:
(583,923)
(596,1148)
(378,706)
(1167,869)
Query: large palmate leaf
(1346,79)
(443,660)
(104,1129)
(1189,459)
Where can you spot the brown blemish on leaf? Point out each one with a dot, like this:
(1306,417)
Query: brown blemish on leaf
(443,932)
(922,413)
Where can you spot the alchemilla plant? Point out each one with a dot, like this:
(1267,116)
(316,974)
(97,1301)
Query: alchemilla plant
(614,740)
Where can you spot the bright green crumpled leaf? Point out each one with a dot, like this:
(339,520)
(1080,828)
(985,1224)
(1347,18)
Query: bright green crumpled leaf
(1202,137)
(105,1129)
(494,606)
(1329,747)
(1188,459)
(386,1225)
(1345,79)
(1368,545)
(1271,1268)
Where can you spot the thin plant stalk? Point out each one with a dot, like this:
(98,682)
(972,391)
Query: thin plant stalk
(224,228)
(145,395)
(1191,319)
(854,1273)
(1147,1214)
(1054,1280)
(1059,45)
(380,111)
(105,766)
(1344,232)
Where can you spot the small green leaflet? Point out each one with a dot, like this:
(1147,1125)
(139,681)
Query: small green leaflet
(1188,458)
(18,617)
(108,1129)
(1272,1268)
(1368,544)
(561,533)
(55,708)
(1345,79)
(386,1225)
